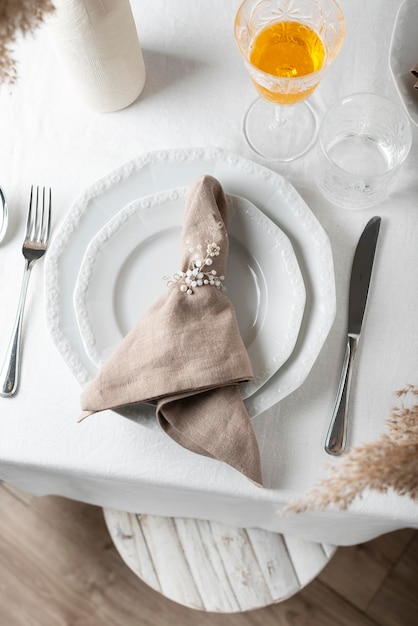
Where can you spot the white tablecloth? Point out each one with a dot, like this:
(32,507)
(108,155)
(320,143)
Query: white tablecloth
(195,94)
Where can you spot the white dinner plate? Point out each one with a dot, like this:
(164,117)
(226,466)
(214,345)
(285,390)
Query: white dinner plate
(159,171)
(404,55)
(122,272)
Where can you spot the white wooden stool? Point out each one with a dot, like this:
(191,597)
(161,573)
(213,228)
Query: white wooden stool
(209,566)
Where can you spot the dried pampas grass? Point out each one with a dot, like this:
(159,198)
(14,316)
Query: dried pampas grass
(16,16)
(389,462)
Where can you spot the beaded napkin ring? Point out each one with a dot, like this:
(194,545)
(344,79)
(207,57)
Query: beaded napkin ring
(197,275)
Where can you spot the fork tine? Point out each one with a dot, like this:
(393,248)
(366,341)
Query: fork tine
(42,217)
(42,230)
(29,219)
(36,221)
(47,226)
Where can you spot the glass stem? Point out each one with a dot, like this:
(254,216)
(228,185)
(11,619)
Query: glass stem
(280,118)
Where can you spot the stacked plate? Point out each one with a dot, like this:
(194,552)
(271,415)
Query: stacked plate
(403,56)
(107,263)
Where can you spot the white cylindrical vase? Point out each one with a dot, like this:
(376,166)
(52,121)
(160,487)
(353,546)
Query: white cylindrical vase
(98,44)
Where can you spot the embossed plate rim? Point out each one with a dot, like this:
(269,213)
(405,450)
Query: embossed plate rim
(403,56)
(164,169)
(276,330)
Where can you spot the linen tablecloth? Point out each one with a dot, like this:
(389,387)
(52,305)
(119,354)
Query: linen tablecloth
(196,93)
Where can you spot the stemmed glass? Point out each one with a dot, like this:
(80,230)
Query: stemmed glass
(287,46)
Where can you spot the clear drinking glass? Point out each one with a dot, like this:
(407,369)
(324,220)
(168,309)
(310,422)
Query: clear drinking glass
(287,46)
(363,141)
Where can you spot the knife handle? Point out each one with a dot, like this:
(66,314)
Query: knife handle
(337,432)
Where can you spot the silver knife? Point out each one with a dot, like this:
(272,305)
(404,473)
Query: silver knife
(359,288)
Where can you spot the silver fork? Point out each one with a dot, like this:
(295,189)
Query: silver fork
(38,228)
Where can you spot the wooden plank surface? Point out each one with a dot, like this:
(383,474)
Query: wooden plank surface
(213,567)
(374,560)
(59,567)
(206,565)
(401,586)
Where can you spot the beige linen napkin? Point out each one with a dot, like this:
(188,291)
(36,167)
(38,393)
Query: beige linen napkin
(185,354)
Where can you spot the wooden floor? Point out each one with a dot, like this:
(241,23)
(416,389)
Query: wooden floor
(58,567)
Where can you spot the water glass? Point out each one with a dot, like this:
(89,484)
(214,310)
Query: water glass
(363,141)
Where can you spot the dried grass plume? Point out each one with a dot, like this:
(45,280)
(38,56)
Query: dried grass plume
(18,16)
(389,462)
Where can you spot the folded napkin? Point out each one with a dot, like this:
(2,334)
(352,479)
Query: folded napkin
(185,354)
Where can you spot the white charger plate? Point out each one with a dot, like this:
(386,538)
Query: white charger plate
(122,272)
(404,55)
(162,170)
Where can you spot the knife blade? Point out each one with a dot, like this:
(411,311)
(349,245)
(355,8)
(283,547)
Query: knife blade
(361,273)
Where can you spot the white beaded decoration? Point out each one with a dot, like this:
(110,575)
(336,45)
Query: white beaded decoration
(196,275)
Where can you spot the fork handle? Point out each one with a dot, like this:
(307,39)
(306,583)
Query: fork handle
(337,432)
(9,374)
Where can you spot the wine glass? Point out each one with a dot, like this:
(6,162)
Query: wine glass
(287,46)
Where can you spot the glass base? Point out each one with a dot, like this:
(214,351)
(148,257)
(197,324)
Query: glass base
(280,133)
